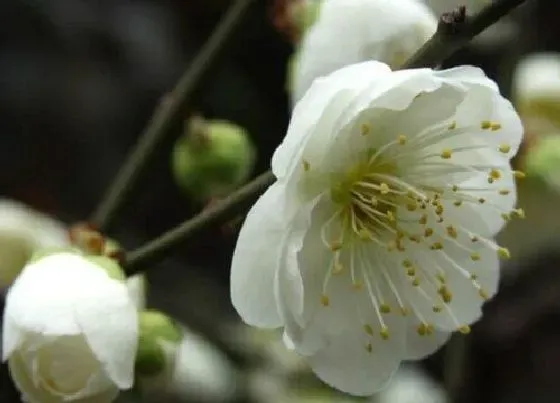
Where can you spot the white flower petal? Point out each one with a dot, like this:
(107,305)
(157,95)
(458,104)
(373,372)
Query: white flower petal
(484,103)
(289,289)
(318,111)
(347,365)
(110,324)
(419,346)
(257,258)
(12,337)
(484,219)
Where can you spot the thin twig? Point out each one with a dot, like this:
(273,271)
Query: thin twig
(455,30)
(236,203)
(166,114)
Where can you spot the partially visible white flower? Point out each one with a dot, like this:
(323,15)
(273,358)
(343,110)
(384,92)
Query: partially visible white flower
(70,330)
(201,371)
(22,231)
(171,358)
(376,240)
(410,385)
(351,31)
(536,86)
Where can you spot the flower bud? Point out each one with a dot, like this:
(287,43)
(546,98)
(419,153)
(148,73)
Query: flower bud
(349,32)
(543,160)
(22,231)
(536,86)
(70,329)
(157,345)
(212,158)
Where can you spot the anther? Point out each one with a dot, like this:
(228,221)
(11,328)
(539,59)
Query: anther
(483,294)
(475,256)
(504,192)
(437,308)
(428,232)
(416,282)
(464,329)
(384,188)
(325,300)
(482,200)
(519,174)
(368,329)
(504,148)
(369,348)
(495,127)
(485,124)
(457,203)
(436,246)
(423,219)
(385,308)
(306,165)
(421,329)
(451,231)
(504,253)
(495,174)
(384,333)
(452,126)
(446,154)
(402,139)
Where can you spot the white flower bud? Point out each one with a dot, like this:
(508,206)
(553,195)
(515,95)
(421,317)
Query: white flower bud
(351,31)
(22,231)
(70,330)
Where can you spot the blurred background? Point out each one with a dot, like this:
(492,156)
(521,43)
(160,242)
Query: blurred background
(79,80)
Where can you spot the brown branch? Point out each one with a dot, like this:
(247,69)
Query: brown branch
(165,115)
(456,29)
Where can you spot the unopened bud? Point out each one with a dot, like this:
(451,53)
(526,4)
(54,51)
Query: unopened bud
(158,341)
(543,160)
(212,158)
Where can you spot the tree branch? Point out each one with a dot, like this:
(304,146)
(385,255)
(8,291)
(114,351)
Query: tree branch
(455,30)
(236,203)
(165,115)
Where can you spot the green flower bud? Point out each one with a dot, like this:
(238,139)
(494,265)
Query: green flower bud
(159,336)
(543,160)
(212,158)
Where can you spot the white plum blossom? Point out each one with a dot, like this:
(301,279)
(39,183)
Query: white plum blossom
(70,331)
(376,241)
(352,31)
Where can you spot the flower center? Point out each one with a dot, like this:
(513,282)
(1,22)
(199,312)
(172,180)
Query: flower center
(366,203)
